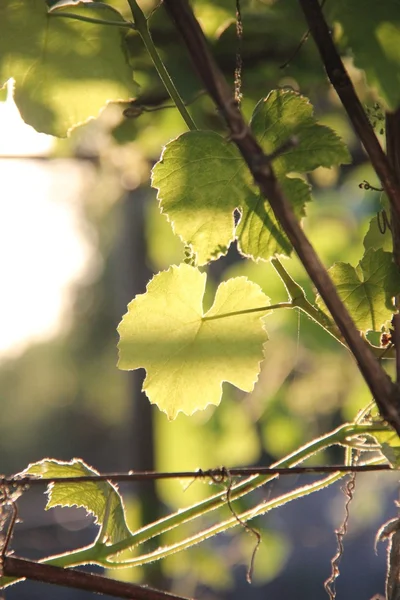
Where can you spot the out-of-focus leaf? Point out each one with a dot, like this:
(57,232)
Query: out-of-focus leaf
(186,357)
(372,31)
(65,70)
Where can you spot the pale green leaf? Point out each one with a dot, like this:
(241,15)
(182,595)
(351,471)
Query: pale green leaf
(285,114)
(65,70)
(186,357)
(201,179)
(372,31)
(367,290)
(101,499)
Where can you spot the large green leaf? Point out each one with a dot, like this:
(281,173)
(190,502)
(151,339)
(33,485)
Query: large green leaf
(101,499)
(187,357)
(201,179)
(372,31)
(367,290)
(65,70)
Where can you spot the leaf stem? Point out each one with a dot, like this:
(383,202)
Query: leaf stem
(67,15)
(247,311)
(144,32)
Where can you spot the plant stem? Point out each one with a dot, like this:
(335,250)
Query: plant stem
(66,15)
(99,554)
(144,32)
(385,392)
(247,311)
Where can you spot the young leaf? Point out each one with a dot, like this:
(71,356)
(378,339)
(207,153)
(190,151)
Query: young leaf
(284,114)
(101,499)
(201,179)
(65,70)
(367,290)
(372,30)
(186,356)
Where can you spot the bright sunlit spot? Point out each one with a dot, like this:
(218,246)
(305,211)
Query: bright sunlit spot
(43,246)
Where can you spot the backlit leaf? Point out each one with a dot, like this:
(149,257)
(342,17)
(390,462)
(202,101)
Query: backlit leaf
(186,357)
(368,289)
(65,70)
(98,498)
(201,179)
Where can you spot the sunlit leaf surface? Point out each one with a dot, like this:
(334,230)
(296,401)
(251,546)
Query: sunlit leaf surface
(186,357)
(98,498)
(201,179)
(65,70)
(367,290)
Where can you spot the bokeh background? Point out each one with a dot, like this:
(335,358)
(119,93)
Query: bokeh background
(81,234)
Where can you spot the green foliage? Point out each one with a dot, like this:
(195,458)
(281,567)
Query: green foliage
(200,204)
(368,289)
(100,499)
(372,31)
(186,356)
(65,70)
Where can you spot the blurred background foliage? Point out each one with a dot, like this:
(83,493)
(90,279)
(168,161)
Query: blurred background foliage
(63,396)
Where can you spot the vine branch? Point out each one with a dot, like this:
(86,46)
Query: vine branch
(343,85)
(19,567)
(383,389)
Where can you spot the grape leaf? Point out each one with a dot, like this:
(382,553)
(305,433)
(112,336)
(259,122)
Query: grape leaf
(374,238)
(285,114)
(187,357)
(65,70)
(372,30)
(367,290)
(201,179)
(93,496)
(259,233)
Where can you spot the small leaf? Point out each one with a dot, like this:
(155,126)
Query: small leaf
(65,70)
(185,356)
(93,496)
(285,114)
(367,290)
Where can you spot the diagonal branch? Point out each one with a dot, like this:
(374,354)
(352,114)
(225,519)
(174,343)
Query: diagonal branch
(384,391)
(341,81)
(19,567)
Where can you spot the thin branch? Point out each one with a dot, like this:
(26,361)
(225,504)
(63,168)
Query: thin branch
(213,474)
(383,390)
(343,85)
(19,567)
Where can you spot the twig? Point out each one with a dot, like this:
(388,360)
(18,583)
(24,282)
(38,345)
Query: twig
(213,474)
(383,390)
(342,83)
(19,567)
